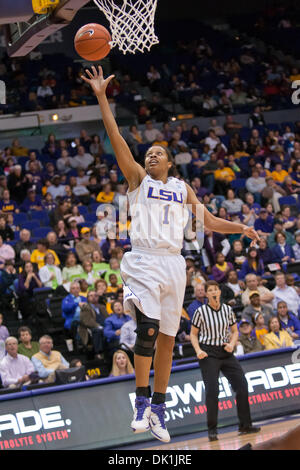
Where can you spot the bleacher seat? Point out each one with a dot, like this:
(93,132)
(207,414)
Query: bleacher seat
(238,183)
(41,232)
(20,218)
(83,210)
(287,200)
(29,224)
(40,216)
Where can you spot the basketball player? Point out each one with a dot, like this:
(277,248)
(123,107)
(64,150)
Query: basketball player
(154,271)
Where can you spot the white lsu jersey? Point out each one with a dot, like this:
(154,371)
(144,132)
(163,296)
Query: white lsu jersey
(159,214)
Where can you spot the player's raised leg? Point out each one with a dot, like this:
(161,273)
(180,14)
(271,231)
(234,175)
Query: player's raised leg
(147,331)
(162,370)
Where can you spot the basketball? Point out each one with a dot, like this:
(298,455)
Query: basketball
(92,42)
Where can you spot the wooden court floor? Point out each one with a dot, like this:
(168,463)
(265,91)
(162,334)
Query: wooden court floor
(231,440)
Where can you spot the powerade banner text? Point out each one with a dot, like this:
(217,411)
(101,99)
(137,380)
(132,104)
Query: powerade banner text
(97,415)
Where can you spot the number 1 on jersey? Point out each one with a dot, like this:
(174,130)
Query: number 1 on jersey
(166,214)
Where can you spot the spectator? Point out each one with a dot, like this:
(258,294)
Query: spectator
(128,334)
(33,202)
(85,247)
(255,184)
(47,360)
(278,227)
(7,205)
(38,255)
(255,307)
(286,293)
(27,347)
(223,177)
(121,364)
(6,232)
(113,324)
(221,268)
(232,204)
(266,296)
(249,342)
(264,252)
(72,270)
(92,317)
(106,196)
(277,337)
(234,283)
(256,118)
(64,163)
(264,224)
(15,369)
(7,252)
(252,264)
(200,299)
(279,174)
(83,159)
(28,280)
(237,255)
(288,321)
(71,306)
(260,329)
(213,243)
(56,189)
(296,247)
(282,252)
(114,268)
(4,333)
(150,132)
(50,275)
(272,192)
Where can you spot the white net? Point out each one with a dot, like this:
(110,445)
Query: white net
(131,23)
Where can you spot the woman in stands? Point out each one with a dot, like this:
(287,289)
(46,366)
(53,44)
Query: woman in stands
(121,364)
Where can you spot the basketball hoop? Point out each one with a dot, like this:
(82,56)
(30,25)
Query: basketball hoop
(131,23)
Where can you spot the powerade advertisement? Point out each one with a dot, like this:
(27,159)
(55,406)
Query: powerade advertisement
(97,414)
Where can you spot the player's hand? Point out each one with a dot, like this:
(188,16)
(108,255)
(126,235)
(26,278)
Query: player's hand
(252,234)
(96,80)
(202,355)
(228,347)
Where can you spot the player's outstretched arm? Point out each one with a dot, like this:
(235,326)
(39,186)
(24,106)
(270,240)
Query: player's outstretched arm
(216,224)
(132,171)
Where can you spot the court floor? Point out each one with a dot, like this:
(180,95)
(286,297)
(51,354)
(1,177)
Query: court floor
(229,439)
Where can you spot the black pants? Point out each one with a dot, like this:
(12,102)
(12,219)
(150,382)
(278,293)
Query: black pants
(98,340)
(219,360)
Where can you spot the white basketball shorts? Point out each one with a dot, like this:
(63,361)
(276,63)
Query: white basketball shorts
(155,283)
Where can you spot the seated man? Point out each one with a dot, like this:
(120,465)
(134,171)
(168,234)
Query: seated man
(113,324)
(249,342)
(200,299)
(72,304)
(266,296)
(47,361)
(15,369)
(256,307)
(92,317)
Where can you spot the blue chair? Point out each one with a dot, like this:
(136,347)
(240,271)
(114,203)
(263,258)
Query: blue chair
(83,210)
(238,183)
(41,232)
(287,200)
(91,218)
(20,218)
(28,224)
(41,216)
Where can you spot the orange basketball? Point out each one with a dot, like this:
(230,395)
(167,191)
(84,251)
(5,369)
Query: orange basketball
(92,42)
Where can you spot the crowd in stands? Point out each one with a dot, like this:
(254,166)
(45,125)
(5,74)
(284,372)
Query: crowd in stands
(213,75)
(58,232)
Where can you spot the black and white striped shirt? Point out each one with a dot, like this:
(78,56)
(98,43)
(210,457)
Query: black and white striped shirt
(214,324)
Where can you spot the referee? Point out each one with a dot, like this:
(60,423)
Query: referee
(211,325)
